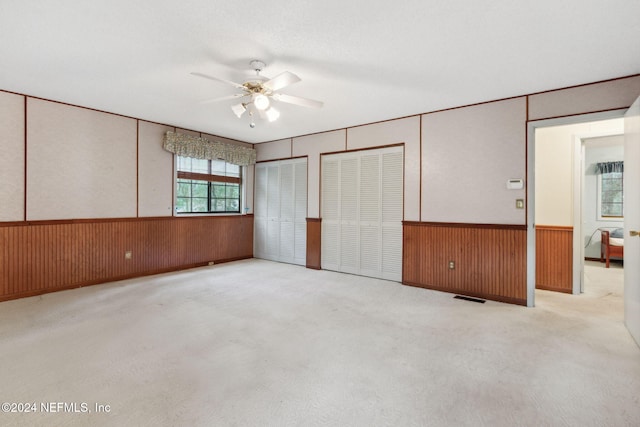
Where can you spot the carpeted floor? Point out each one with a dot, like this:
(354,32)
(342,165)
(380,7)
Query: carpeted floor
(257,343)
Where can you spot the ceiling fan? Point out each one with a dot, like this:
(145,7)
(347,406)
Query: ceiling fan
(258,92)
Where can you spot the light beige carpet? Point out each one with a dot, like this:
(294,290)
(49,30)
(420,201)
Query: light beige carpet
(257,343)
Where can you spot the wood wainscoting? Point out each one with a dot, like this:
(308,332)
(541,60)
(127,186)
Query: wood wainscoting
(47,256)
(314,237)
(554,258)
(490,260)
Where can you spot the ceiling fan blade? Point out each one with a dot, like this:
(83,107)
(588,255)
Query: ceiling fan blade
(281,80)
(296,100)
(236,85)
(224,98)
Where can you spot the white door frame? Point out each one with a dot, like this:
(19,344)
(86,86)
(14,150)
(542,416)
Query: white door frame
(578,204)
(531,227)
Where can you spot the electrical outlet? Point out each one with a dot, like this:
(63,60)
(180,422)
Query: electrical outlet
(519,203)
(127,255)
(452,265)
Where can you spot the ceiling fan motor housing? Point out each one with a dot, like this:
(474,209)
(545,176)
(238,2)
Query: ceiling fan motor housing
(257,65)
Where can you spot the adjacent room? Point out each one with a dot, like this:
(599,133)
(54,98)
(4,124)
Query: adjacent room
(250,214)
(579,177)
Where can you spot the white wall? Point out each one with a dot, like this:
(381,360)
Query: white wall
(84,164)
(468,155)
(12,158)
(274,150)
(80,163)
(554,147)
(604,149)
(458,161)
(554,176)
(611,95)
(456,146)
(155,171)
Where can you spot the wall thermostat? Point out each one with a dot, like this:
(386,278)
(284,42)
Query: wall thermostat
(515,184)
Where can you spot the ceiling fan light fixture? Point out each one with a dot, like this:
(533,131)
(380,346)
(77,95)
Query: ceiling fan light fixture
(261,102)
(272,114)
(258,91)
(239,109)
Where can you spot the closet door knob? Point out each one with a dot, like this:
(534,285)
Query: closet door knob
(634,233)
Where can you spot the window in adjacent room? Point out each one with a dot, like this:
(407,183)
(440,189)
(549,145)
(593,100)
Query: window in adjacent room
(610,200)
(207,186)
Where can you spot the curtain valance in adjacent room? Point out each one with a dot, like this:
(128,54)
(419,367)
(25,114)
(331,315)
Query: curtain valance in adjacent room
(201,148)
(608,167)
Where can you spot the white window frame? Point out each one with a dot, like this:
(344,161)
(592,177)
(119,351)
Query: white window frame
(599,205)
(243,195)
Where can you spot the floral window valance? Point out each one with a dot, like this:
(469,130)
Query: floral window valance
(608,167)
(201,148)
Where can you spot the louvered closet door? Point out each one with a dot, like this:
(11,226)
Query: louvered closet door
(392,191)
(280,211)
(330,201)
(348,231)
(369,215)
(300,212)
(362,199)
(272,243)
(260,211)
(285,218)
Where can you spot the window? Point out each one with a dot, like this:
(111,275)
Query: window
(610,195)
(207,186)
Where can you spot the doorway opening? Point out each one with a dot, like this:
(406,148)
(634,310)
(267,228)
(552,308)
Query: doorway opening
(565,214)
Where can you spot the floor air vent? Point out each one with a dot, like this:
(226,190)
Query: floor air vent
(481,301)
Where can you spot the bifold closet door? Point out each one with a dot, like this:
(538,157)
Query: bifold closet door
(362,209)
(280,211)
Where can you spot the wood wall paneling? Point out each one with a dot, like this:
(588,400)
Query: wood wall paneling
(314,237)
(490,260)
(554,258)
(48,256)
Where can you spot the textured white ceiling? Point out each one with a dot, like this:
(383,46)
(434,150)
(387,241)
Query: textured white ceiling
(367,60)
